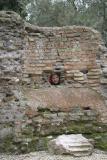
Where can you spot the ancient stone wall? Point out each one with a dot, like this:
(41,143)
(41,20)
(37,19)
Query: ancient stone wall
(11,60)
(70,51)
(31,109)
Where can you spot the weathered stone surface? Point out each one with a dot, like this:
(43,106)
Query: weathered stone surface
(104,71)
(61,49)
(104,81)
(64,99)
(28,56)
(75,145)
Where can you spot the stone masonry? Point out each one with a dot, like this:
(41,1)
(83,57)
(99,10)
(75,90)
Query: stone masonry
(32,111)
(70,51)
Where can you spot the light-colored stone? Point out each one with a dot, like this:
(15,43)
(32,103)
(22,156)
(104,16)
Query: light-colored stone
(75,145)
(103,81)
(78,74)
(105,70)
(79,79)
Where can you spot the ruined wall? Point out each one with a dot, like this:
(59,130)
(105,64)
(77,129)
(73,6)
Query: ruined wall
(11,61)
(103,62)
(28,55)
(72,51)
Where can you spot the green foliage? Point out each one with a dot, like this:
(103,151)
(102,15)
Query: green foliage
(49,13)
(18,6)
(91,13)
(100,140)
(70,12)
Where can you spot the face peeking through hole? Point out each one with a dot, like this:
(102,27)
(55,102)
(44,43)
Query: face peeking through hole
(54,79)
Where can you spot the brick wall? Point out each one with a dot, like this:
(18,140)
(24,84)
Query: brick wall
(72,50)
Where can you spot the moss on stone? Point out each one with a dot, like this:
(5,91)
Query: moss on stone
(100,140)
(7,145)
(28,131)
(33,140)
(86,127)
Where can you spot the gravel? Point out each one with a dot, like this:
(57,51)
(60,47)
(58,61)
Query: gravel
(97,155)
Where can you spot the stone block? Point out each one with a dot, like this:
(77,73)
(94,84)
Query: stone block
(75,145)
(93,77)
(78,74)
(5,132)
(79,78)
(103,81)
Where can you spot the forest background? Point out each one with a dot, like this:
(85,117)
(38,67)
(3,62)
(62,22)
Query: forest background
(92,13)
